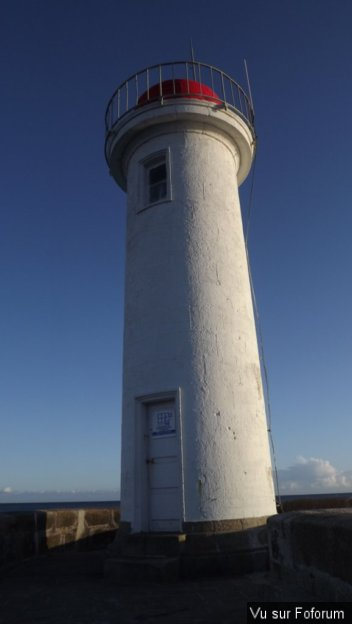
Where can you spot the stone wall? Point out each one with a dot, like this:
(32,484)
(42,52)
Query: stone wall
(313,549)
(27,534)
(315,502)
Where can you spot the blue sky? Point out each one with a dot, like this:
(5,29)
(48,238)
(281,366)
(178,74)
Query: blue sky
(62,227)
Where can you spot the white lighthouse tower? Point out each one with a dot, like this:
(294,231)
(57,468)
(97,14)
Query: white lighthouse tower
(195,452)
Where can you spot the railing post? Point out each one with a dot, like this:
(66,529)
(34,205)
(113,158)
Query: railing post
(232,93)
(173,79)
(212,78)
(247,108)
(223,90)
(160,85)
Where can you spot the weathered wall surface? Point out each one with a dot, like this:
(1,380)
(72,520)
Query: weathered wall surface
(314,550)
(27,534)
(189,325)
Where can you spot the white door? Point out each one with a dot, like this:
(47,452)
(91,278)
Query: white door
(163,468)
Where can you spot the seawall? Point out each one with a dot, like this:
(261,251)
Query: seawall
(33,533)
(313,549)
(309,543)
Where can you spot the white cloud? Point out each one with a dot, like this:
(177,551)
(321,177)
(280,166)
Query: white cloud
(313,475)
(7,490)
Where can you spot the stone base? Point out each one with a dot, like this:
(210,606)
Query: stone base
(163,556)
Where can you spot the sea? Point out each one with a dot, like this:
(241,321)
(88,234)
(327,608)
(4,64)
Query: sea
(6,507)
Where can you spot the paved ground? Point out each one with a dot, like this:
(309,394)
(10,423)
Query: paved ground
(70,589)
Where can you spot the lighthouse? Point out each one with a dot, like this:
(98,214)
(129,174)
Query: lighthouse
(195,454)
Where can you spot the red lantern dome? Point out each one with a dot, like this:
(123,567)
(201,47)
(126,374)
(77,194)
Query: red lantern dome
(179,88)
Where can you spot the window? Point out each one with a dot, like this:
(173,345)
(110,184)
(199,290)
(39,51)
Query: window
(156,179)
(157,184)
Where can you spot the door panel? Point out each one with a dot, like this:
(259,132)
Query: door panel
(163,468)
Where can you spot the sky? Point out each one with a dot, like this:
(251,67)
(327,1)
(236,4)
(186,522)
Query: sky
(62,228)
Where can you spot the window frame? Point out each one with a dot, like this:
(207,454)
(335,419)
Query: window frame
(147,164)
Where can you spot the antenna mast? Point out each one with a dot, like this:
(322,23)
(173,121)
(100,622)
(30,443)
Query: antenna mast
(192,50)
(193,61)
(249,85)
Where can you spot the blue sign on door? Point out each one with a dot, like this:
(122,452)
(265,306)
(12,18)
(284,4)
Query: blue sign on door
(163,423)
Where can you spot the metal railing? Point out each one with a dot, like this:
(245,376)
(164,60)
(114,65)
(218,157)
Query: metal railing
(137,91)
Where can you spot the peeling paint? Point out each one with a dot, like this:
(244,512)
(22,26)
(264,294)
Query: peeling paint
(204,370)
(216,344)
(233,432)
(217,276)
(257,375)
(190,317)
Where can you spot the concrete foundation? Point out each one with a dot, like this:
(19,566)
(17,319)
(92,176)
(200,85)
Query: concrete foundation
(166,557)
